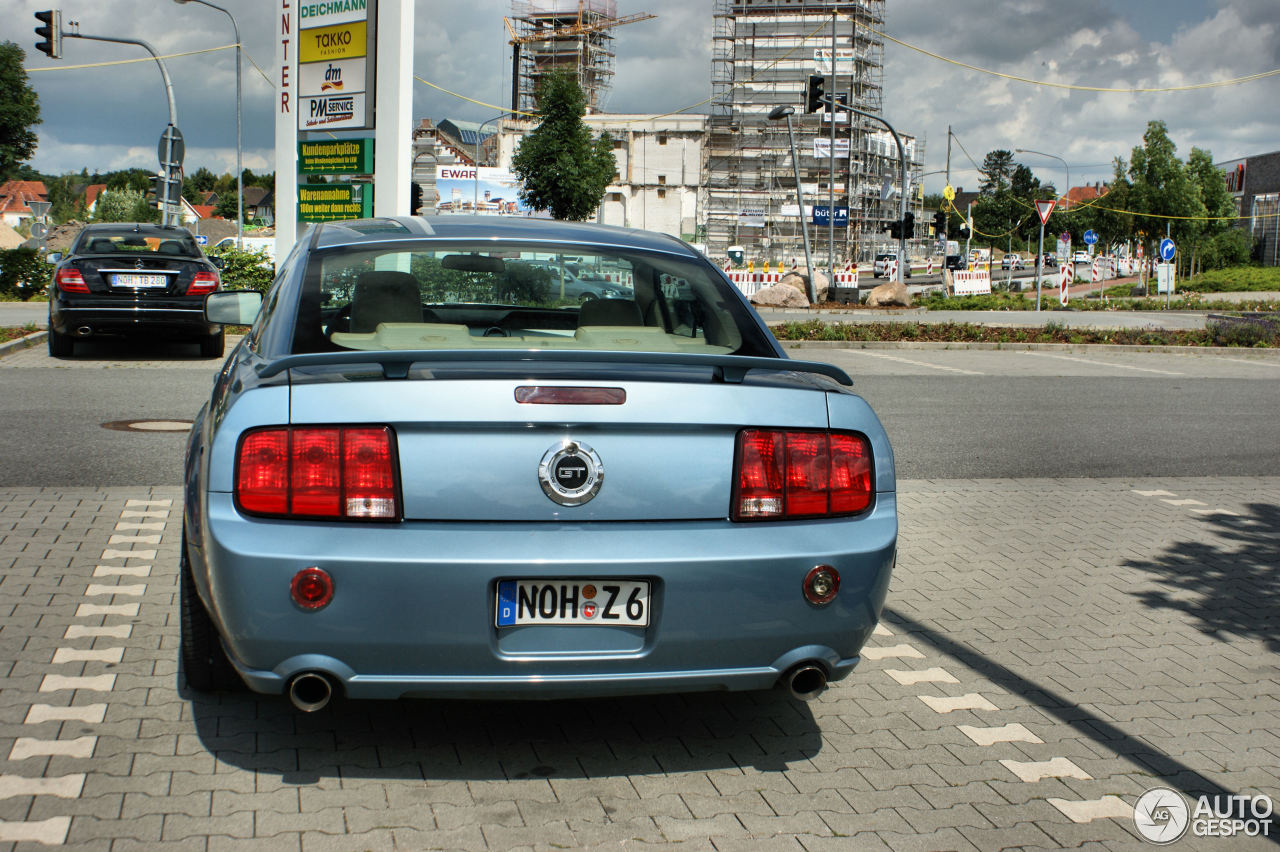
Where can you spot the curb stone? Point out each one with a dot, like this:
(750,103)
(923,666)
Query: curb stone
(1266,354)
(22,343)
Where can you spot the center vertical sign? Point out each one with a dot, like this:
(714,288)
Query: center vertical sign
(286,50)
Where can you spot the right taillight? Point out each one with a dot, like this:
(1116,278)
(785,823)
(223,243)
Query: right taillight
(69,280)
(786,474)
(318,472)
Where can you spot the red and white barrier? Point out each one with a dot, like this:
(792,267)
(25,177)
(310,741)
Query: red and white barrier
(849,278)
(971,283)
(1066,276)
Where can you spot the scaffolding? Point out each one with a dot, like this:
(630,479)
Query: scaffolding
(763,52)
(572,36)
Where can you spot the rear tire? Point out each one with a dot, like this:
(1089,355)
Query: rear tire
(204,662)
(214,346)
(60,345)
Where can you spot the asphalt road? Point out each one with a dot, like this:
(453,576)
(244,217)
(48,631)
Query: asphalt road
(955,414)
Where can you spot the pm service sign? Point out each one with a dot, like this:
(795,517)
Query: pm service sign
(335,49)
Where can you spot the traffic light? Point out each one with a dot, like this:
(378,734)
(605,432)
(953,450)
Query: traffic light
(908,225)
(814,93)
(964,230)
(895,230)
(939,223)
(51,32)
(415,198)
(155,193)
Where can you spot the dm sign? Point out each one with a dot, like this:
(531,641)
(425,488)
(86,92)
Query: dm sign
(336,157)
(328,202)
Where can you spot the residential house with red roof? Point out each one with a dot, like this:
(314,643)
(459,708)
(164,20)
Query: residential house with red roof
(15,194)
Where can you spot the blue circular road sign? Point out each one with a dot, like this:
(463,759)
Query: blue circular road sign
(1090,237)
(1167,249)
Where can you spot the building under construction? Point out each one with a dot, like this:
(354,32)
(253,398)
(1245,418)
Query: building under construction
(763,54)
(574,36)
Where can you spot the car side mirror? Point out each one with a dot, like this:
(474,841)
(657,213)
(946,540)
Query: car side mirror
(232,307)
(54,257)
(217,262)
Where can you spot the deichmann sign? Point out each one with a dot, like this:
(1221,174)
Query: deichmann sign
(336,157)
(328,202)
(332,12)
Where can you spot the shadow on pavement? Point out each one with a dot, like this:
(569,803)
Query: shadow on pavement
(1228,585)
(505,740)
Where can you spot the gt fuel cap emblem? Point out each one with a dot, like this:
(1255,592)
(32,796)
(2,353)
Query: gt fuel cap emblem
(570,473)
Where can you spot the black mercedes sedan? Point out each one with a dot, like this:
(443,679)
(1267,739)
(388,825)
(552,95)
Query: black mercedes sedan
(132,278)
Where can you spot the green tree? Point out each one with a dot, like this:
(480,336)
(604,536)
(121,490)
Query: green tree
(1162,195)
(19,111)
(124,205)
(226,207)
(562,169)
(195,185)
(1211,186)
(996,171)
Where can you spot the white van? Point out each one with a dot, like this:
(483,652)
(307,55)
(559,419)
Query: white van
(263,244)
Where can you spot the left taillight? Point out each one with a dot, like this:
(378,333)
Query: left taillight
(69,280)
(345,472)
(788,474)
(203,282)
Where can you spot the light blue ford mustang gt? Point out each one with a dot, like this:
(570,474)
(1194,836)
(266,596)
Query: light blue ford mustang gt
(428,471)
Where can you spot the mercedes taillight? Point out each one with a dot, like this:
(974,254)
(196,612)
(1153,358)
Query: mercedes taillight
(344,472)
(69,280)
(203,282)
(789,474)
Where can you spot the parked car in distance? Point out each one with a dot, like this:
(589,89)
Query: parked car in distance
(881,265)
(136,279)
(1081,257)
(1012,261)
(397,487)
(564,283)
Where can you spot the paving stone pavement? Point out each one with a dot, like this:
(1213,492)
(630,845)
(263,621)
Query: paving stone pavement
(1051,650)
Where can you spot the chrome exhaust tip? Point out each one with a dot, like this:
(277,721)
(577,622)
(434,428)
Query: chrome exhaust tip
(310,691)
(806,681)
(84,331)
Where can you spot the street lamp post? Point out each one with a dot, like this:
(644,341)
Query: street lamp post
(775,114)
(475,201)
(239,145)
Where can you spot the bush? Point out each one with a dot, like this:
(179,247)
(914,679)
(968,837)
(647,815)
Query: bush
(1244,331)
(248,269)
(24,273)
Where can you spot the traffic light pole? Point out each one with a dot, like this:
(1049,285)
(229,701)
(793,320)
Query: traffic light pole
(173,112)
(902,171)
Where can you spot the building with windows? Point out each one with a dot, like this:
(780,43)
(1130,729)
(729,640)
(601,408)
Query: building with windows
(1254,183)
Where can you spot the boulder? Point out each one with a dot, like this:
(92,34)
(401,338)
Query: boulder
(892,294)
(801,273)
(780,296)
(794,279)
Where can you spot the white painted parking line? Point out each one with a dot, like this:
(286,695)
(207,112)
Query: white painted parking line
(25,747)
(944,704)
(143,513)
(1033,771)
(134,503)
(1157,493)
(133,591)
(122,571)
(915,363)
(148,525)
(1102,363)
(1187,502)
(134,539)
(49,832)
(90,714)
(84,655)
(85,610)
(1014,732)
(881,630)
(1216,512)
(82,631)
(1247,361)
(64,787)
(128,554)
(891,651)
(1108,807)
(57,683)
(909,678)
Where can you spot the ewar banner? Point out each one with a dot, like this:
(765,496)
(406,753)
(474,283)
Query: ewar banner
(466,189)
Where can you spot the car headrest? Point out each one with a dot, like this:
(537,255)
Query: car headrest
(610,312)
(384,296)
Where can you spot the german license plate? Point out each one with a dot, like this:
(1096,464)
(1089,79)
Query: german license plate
(589,602)
(139,282)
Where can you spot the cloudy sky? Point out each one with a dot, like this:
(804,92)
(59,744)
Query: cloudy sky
(111,117)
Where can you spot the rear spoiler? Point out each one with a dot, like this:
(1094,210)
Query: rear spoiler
(395,364)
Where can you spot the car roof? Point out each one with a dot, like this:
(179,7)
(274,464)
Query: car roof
(493,228)
(169,231)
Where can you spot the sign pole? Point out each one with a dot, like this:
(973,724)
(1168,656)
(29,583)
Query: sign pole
(1039,265)
(393,134)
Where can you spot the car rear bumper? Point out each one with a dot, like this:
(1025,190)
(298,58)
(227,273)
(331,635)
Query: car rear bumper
(120,319)
(413,613)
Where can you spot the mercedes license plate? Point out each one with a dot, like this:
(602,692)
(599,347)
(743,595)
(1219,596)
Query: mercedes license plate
(139,282)
(590,602)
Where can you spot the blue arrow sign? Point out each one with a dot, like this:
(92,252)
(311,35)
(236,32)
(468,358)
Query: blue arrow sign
(1090,237)
(1167,249)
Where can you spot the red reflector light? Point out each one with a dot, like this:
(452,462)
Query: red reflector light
(318,472)
(203,282)
(70,281)
(780,475)
(539,395)
(311,588)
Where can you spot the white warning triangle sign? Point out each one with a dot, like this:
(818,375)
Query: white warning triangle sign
(1044,208)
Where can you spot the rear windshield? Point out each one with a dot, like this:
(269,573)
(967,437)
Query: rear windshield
(132,242)
(437,296)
